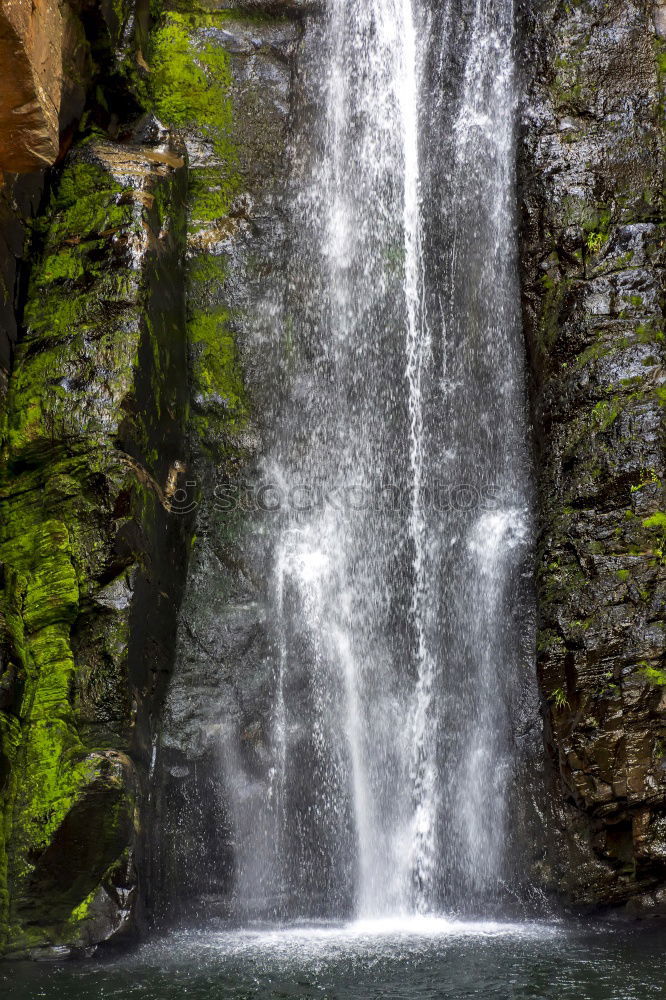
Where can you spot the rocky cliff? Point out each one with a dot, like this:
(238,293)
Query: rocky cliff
(134,298)
(591,208)
(237,277)
(93,453)
(57,58)
(138,277)
(92,450)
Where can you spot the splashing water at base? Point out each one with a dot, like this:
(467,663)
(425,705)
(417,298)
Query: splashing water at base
(418,960)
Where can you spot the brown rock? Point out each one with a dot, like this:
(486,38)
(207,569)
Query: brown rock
(30,83)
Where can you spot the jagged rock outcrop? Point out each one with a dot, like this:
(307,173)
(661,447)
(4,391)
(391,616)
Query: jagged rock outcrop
(591,173)
(92,558)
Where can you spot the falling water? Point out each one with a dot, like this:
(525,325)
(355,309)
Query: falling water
(400,445)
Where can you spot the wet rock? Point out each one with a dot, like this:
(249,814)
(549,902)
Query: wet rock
(237,152)
(590,156)
(19,201)
(48,47)
(93,556)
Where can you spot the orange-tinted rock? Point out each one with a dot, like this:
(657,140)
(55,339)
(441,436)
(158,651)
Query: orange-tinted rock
(30,83)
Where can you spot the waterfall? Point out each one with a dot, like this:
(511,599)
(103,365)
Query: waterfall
(399,451)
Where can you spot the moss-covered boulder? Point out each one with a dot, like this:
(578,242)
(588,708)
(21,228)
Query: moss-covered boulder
(92,556)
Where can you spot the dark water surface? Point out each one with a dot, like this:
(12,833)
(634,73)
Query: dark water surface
(425,958)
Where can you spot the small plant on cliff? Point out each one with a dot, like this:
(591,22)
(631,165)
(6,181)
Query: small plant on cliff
(657,521)
(647,477)
(559,698)
(595,241)
(606,412)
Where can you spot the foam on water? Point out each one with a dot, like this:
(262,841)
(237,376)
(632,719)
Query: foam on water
(306,944)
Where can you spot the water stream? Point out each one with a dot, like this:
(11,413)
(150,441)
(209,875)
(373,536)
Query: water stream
(396,612)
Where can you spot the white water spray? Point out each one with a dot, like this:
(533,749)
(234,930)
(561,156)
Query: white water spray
(395,672)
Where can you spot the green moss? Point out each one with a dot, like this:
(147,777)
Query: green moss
(655,676)
(606,412)
(661,62)
(594,352)
(40,601)
(210,193)
(216,368)
(73,400)
(594,219)
(650,333)
(657,521)
(191,86)
(86,204)
(190,83)
(85,209)
(205,274)
(553,299)
(80,912)
(560,582)
(193,90)
(65,266)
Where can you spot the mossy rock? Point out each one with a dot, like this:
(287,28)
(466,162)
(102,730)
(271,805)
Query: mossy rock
(91,434)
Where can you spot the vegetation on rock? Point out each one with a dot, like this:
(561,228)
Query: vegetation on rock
(88,434)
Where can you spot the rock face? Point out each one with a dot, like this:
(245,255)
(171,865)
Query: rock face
(31,36)
(96,491)
(19,201)
(591,168)
(237,142)
(46,54)
(92,558)
(31,33)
